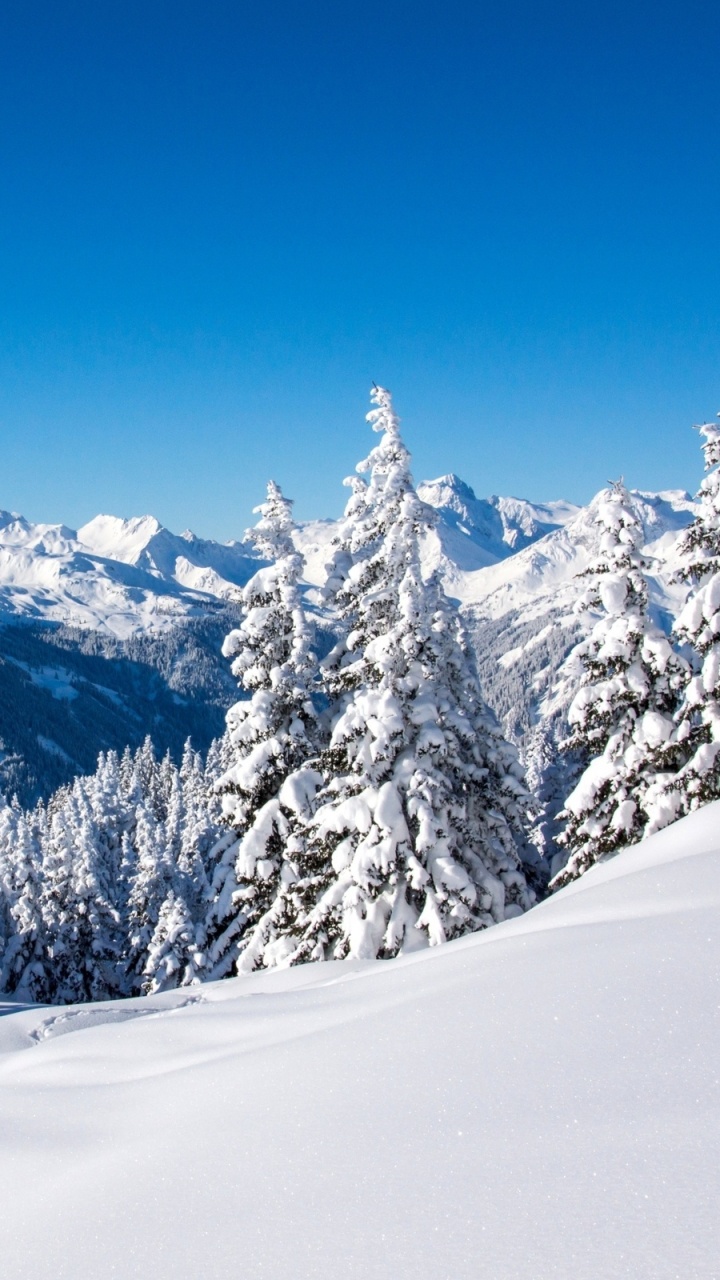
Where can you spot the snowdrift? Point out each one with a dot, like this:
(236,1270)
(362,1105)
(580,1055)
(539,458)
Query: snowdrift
(540,1100)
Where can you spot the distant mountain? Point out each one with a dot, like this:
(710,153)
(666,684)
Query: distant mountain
(521,619)
(194,564)
(117,576)
(476,532)
(551,563)
(472,533)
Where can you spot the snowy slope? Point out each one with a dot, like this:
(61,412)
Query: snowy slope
(537,1102)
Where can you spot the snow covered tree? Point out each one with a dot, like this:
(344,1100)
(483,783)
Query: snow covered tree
(23,962)
(84,934)
(698,628)
(176,950)
(174,958)
(153,879)
(270,735)
(621,718)
(412,838)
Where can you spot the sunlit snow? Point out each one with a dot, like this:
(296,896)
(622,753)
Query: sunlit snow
(537,1101)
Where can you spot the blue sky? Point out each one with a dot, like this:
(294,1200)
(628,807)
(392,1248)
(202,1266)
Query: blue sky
(220,221)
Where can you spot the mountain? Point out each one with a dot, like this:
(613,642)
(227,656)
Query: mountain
(520,611)
(475,532)
(521,619)
(538,1100)
(116,576)
(122,620)
(472,533)
(193,564)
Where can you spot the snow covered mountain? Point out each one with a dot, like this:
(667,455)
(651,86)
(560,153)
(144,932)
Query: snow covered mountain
(123,576)
(475,532)
(123,619)
(548,566)
(518,602)
(114,575)
(472,533)
(538,1100)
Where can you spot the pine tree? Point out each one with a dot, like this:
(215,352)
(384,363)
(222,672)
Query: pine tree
(413,835)
(23,968)
(697,627)
(82,924)
(621,718)
(270,735)
(152,882)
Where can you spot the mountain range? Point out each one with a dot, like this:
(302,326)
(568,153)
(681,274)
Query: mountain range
(114,630)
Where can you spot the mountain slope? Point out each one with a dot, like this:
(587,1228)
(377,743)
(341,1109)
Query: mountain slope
(537,1102)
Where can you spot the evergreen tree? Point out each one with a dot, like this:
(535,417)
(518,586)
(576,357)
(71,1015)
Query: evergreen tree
(152,882)
(697,628)
(23,967)
(83,927)
(270,735)
(621,718)
(411,838)
(176,951)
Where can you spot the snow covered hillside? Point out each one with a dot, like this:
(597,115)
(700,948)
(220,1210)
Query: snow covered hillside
(535,1102)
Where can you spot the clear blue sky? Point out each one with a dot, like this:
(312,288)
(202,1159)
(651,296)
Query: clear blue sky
(219,221)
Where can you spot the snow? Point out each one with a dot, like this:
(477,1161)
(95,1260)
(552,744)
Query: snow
(535,1102)
(57,680)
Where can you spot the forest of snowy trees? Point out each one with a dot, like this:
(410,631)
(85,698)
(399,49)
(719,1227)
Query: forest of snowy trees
(363,801)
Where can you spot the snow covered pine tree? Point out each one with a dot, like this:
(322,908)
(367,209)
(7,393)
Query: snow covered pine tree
(269,737)
(698,627)
(414,834)
(622,715)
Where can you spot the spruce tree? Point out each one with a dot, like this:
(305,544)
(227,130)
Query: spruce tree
(82,924)
(413,837)
(697,628)
(621,718)
(176,950)
(270,735)
(24,970)
(152,881)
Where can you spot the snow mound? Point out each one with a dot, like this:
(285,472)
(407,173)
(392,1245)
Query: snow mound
(536,1102)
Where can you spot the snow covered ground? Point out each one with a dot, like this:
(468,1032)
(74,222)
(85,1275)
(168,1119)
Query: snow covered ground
(537,1101)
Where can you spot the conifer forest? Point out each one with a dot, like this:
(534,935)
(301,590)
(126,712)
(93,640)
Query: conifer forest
(380,784)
